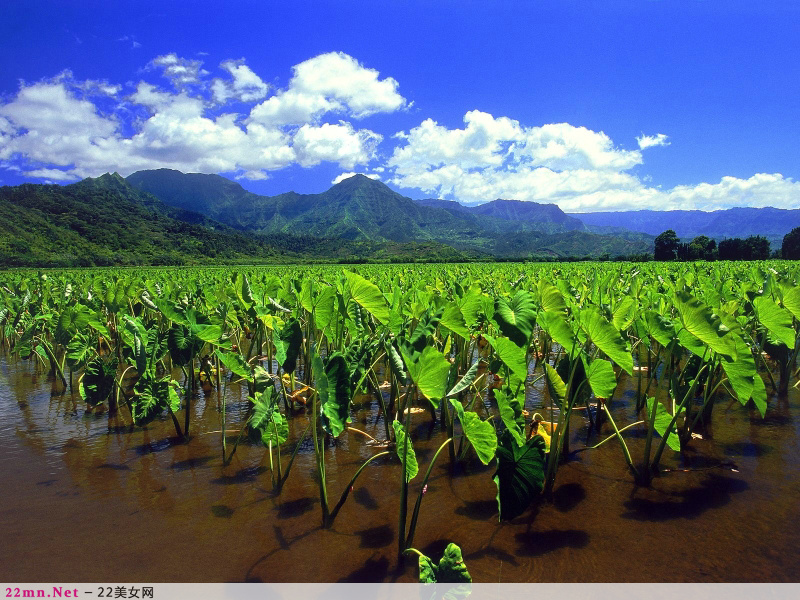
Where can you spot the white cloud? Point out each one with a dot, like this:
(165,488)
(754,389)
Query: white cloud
(181,72)
(335,143)
(53,174)
(86,128)
(574,167)
(343,176)
(245,86)
(646,141)
(329,83)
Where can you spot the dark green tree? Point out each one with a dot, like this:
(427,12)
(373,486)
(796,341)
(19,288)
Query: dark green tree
(666,245)
(702,248)
(758,247)
(791,245)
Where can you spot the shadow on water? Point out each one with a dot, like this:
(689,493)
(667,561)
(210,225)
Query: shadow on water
(373,570)
(747,449)
(479,510)
(191,463)
(114,467)
(376,537)
(537,543)
(364,498)
(568,496)
(492,552)
(295,508)
(222,511)
(247,475)
(714,492)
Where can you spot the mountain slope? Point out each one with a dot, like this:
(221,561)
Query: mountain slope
(105,221)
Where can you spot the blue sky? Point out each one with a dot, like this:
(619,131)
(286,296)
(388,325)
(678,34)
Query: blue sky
(612,105)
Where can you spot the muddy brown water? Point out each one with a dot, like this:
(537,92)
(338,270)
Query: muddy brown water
(85,499)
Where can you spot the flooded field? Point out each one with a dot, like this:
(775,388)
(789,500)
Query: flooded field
(85,498)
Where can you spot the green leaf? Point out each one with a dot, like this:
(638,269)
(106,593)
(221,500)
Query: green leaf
(791,300)
(777,320)
(368,295)
(622,317)
(606,338)
(288,342)
(514,357)
(479,433)
(662,421)
(601,376)
(452,568)
(454,321)
(556,326)
(429,372)
(550,298)
(556,385)
(520,474)
(510,407)
(335,391)
(234,362)
(427,570)
(410,462)
(467,380)
(516,318)
(661,328)
(267,424)
(98,380)
(183,346)
(701,322)
(471,305)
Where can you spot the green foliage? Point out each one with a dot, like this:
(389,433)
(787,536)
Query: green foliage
(520,474)
(451,568)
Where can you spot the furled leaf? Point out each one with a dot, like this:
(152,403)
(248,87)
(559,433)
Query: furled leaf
(288,342)
(467,380)
(452,568)
(510,408)
(335,392)
(410,461)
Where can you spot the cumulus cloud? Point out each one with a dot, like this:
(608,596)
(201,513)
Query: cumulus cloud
(63,128)
(343,176)
(579,169)
(646,141)
(244,86)
(332,82)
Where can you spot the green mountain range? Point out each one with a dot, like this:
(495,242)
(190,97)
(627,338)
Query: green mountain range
(360,208)
(168,217)
(106,221)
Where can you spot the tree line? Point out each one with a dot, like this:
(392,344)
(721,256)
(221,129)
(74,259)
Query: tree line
(668,246)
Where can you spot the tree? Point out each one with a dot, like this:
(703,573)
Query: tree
(791,244)
(702,248)
(666,244)
(758,247)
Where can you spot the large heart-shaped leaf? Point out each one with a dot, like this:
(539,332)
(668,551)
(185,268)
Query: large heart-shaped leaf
(516,317)
(367,294)
(520,474)
(605,336)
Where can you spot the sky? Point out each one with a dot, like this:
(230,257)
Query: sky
(592,105)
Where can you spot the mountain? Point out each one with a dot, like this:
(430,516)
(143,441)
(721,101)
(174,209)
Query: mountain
(106,221)
(773,223)
(360,208)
